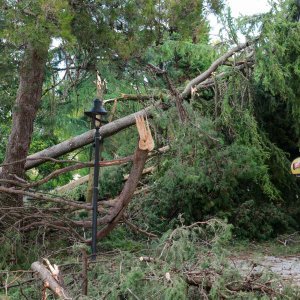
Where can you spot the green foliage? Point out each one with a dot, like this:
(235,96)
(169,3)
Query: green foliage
(38,143)
(35,22)
(111,181)
(16,253)
(222,163)
(206,270)
(205,175)
(182,59)
(278,58)
(77,193)
(121,238)
(230,160)
(128,275)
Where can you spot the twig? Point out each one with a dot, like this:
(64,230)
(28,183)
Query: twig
(44,158)
(131,292)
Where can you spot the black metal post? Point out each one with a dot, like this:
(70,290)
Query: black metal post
(95,193)
(95,113)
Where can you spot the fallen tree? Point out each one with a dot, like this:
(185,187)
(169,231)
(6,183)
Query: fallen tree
(116,207)
(201,81)
(85,138)
(111,210)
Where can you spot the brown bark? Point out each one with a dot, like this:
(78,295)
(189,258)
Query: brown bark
(29,93)
(116,212)
(133,98)
(84,272)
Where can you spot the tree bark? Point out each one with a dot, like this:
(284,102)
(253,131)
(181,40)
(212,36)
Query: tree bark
(83,139)
(29,93)
(203,76)
(116,212)
(49,281)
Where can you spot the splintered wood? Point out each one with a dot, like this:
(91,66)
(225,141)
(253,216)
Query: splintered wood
(146,141)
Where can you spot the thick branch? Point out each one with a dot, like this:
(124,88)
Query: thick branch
(40,196)
(137,229)
(80,166)
(173,90)
(212,68)
(211,81)
(49,281)
(116,212)
(86,138)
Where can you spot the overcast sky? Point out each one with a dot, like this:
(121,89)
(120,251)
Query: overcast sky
(238,8)
(243,7)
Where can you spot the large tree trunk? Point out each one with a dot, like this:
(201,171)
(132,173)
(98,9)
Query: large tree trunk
(84,139)
(28,98)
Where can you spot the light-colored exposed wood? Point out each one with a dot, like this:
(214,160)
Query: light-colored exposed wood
(146,141)
(50,281)
(73,184)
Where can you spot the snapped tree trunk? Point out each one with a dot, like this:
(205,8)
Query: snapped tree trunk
(85,138)
(28,98)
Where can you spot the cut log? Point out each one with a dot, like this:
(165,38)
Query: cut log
(49,281)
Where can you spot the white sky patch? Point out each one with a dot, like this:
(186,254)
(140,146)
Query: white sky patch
(252,7)
(55,42)
(239,8)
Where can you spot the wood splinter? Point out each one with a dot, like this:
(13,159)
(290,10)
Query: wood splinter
(146,141)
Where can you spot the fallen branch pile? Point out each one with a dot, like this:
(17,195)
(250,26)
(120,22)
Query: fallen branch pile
(191,258)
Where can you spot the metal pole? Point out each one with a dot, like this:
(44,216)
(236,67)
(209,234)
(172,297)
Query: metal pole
(95,193)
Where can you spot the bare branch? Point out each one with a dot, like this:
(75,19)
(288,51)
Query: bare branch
(221,60)
(133,98)
(41,196)
(137,229)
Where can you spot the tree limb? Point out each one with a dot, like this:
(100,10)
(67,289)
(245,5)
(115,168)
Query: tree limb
(40,196)
(49,281)
(85,138)
(133,97)
(194,82)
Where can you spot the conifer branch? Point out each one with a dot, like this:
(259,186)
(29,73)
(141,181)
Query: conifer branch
(220,61)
